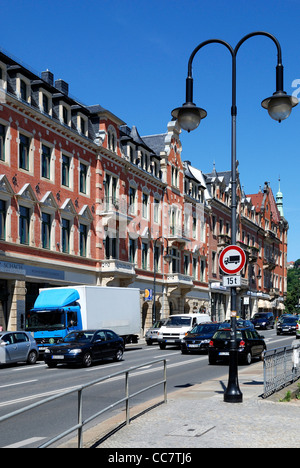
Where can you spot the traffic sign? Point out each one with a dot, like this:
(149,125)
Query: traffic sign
(232,259)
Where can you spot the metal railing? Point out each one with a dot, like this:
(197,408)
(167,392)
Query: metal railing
(281,368)
(79,390)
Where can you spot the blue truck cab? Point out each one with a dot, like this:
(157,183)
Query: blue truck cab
(55,314)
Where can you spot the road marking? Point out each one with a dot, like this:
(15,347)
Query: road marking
(37,396)
(101,368)
(18,383)
(22,443)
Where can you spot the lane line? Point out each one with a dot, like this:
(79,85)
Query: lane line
(22,443)
(18,383)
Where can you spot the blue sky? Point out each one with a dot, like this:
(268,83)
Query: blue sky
(131,57)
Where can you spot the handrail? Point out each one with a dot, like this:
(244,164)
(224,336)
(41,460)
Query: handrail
(79,389)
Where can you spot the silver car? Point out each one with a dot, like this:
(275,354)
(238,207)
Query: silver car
(17,346)
(151,334)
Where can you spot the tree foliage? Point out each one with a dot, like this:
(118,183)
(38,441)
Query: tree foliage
(293,288)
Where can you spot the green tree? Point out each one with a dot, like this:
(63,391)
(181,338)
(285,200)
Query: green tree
(293,288)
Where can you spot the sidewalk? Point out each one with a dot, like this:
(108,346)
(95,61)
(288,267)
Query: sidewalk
(197,417)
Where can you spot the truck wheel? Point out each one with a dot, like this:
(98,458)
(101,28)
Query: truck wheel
(87,360)
(119,355)
(32,357)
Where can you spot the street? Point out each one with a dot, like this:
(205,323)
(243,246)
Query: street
(22,385)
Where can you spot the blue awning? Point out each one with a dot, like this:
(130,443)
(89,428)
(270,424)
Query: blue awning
(56,298)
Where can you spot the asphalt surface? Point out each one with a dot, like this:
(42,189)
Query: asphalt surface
(198,417)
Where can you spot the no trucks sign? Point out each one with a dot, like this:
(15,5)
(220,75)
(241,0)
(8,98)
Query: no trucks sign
(232,259)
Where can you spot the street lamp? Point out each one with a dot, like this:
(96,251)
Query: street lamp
(189,116)
(167,258)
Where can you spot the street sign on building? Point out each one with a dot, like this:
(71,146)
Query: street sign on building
(232,259)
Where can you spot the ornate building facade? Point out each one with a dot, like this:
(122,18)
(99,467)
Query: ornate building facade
(84,199)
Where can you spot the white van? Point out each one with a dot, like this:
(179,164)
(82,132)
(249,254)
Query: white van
(176,327)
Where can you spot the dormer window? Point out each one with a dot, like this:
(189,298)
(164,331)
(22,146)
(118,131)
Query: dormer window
(112,139)
(82,124)
(3,79)
(23,88)
(65,114)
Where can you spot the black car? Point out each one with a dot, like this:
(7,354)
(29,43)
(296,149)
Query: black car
(249,345)
(199,337)
(263,320)
(287,325)
(84,347)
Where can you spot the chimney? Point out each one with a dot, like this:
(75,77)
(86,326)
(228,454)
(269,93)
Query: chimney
(48,77)
(62,86)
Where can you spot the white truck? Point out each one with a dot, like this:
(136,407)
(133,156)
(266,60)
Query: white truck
(177,326)
(58,311)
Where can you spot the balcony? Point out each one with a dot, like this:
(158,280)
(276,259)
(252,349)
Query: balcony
(112,207)
(269,263)
(117,272)
(178,281)
(176,234)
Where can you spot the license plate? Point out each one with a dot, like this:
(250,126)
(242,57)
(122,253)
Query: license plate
(224,353)
(285,329)
(193,345)
(42,348)
(58,357)
(170,341)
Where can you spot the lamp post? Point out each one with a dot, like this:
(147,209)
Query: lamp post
(167,258)
(189,116)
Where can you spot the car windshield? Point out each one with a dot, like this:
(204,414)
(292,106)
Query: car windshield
(225,335)
(207,328)
(79,337)
(289,320)
(178,321)
(45,320)
(260,316)
(158,324)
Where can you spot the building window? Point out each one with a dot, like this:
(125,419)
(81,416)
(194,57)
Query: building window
(83,239)
(111,189)
(156,210)
(46,106)
(46,230)
(65,235)
(2,219)
(175,262)
(46,159)
(144,255)
(23,90)
(83,178)
(24,223)
(132,250)
(145,205)
(24,147)
(65,115)
(195,265)
(157,250)
(186,265)
(111,247)
(132,199)
(2,142)
(202,270)
(65,171)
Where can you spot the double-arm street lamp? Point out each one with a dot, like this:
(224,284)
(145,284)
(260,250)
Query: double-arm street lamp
(189,116)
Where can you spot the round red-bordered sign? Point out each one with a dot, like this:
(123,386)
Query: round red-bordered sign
(232,259)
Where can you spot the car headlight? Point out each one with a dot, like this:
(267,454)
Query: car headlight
(47,351)
(75,351)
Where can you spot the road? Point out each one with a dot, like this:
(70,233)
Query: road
(22,385)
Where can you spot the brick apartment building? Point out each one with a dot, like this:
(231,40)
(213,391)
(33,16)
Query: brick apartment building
(84,199)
